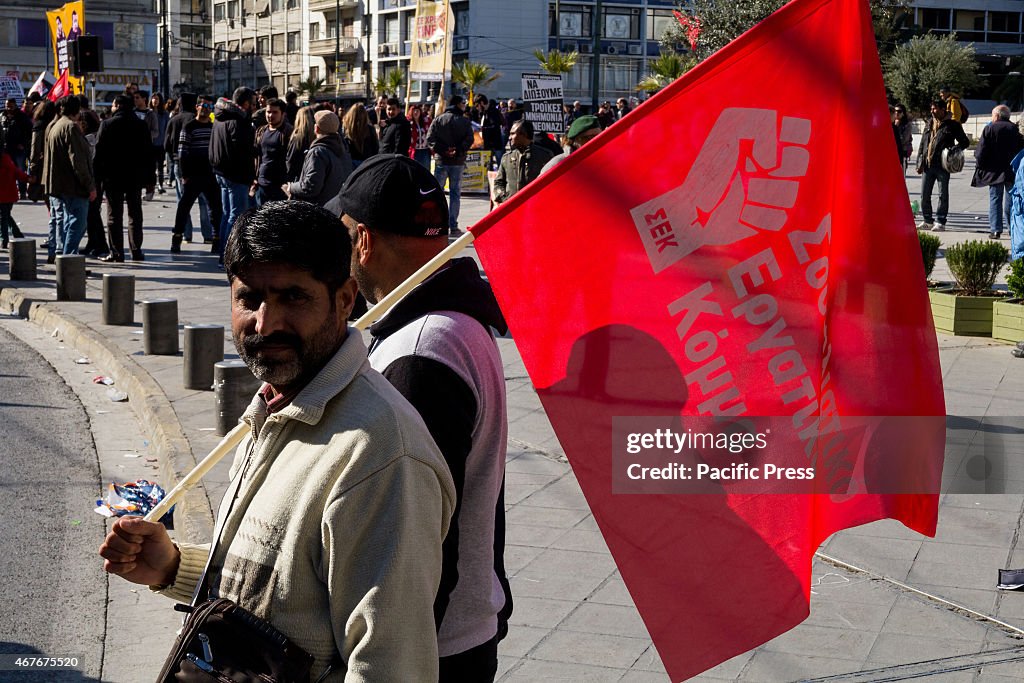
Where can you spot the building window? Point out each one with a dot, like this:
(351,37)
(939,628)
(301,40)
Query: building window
(32,33)
(279,44)
(292,4)
(573,20)
(658,22)
(969,25)
(294,38)
(219,12)
(314,73)
(937,20)
(247,46)
(391,29)
(332,28)
(233,47)
(1004,27)
(348,27)
(263,45)
(232,9)
(314,31)
(622,24)
(276,5)
(461,22)
(219,51)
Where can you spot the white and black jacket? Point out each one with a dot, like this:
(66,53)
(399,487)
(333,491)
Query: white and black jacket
(437,349)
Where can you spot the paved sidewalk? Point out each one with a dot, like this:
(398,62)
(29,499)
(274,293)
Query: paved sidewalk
(574,619)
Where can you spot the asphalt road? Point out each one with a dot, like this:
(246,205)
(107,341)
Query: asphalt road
(53,591)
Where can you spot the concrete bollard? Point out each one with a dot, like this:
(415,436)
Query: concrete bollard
(160,327)
(204,347)
(118,299)
(233,388)
(70,277)
(22,261)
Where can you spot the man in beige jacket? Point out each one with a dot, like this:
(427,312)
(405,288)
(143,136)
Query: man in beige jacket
(343,499)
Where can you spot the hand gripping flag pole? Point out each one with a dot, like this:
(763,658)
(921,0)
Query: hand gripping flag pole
(234,437)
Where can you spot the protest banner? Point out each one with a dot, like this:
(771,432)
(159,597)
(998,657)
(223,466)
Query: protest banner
(542,102)
(66,24)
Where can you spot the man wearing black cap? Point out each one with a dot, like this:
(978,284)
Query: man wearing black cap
(437,349)
(583,130)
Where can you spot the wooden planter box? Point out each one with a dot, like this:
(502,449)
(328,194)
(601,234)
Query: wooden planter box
(968,316)
(1008,320)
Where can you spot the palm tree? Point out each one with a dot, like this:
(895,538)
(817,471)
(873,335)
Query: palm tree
(665,69)
(556,61)
(389,82)
(311,86)
(472,75)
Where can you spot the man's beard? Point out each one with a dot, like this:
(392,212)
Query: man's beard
(298,365)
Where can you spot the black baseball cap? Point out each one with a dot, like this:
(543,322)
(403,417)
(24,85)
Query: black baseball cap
(392,193)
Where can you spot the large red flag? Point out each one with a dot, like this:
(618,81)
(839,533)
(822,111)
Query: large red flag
(739,246)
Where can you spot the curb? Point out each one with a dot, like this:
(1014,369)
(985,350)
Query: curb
(194,517)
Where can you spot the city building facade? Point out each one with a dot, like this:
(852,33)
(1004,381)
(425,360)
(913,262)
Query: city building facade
(186,45)
(128,29)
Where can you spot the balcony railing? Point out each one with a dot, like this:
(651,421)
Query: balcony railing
(328,6)
(325,46)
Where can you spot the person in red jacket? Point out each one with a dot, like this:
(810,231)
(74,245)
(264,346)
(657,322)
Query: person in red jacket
(10,176)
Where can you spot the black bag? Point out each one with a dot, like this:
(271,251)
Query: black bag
(220,641)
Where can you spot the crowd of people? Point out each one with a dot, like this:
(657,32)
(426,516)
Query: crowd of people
(235,153)
(393,566)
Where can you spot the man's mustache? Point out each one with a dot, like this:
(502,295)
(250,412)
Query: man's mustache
(255,342)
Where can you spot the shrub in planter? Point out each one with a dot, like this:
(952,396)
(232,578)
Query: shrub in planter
(929,251)
(967,310)
(975,265)
(1008,316)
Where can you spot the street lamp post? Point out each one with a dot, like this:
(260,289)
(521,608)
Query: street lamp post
(337,47)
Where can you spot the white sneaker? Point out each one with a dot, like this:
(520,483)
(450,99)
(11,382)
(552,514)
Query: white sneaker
(924,226)
(939,227)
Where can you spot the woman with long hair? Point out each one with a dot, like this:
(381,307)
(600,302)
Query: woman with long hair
(419,151)
(302,137)
(359,135)
(904,133)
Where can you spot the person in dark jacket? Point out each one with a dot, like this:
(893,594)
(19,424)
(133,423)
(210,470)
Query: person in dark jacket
(521,165)
(16,134)
(450,137)
(124,166)
(999,144)
(231,156)
(327,164)
(487,115)
(186,111)
(197,179)
(941,133)
(396,133)
(271,153)
(437,348)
